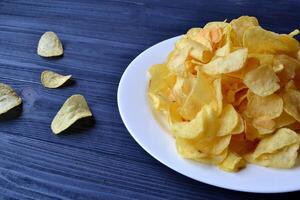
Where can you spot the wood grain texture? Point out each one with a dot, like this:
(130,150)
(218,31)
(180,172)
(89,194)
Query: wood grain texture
(100,39)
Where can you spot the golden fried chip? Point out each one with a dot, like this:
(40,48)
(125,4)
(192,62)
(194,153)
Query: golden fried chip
(240,127)
(197,126)
(264,125)
(187,149)
(228,120)
(262,81)
(283,120)
(291,99)
(282,138)
(74,108)
(239,26)
(284,158)
(294,33)
(200,36)
(51,79)
(212,145)
(269,106)
(49,45)
(259,40)
(8,98)
(201,94)
(219,96)
(232,163)
(230,63)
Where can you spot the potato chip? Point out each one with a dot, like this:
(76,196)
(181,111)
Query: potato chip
(213,145)
(74,108)
(232,163)
(282,138)
(291,99)
(8,98)
(51,79)
(196,50)
(264,59)
(240,127)
(230,63)
(264,125)
(294,33)
(219,96)
(202,93)
(259,40)
(239,26)
(283,120)
(187,149)
(284,158)
(269,106)
(197,126)
(262,81)
(49,45)
(228,120)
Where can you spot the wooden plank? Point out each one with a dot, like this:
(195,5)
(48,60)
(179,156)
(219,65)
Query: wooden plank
(100,39)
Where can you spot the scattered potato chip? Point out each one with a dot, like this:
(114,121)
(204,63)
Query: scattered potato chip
(50,45)
(8,98)
(230,63)
(51,79)
(74,108)
(230,92)
(262,81)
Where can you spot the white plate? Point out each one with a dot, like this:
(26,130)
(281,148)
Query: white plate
(157,141)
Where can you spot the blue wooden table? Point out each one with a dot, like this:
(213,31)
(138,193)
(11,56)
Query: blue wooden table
(100,161)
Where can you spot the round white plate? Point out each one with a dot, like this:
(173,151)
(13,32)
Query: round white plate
(157,141)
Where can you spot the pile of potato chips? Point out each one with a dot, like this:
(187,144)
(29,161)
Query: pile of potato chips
(230,93)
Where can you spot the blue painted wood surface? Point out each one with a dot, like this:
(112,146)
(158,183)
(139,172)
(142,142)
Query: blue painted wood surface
(100,39)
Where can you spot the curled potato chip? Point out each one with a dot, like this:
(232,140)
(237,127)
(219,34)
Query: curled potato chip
(8,98)
(74,108)
(291,99)
(51,79)
(219,96)
(213,145)
(283,120)
(294,33)
(240,127)
(196,126)
(264,125)
(239,26)
(232,163)
(187,149)
(269,106)
(50,45)
(259,40)
(284,158)
(282,138)
(230,63)
(262,81)
(202,93)
(228,120)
